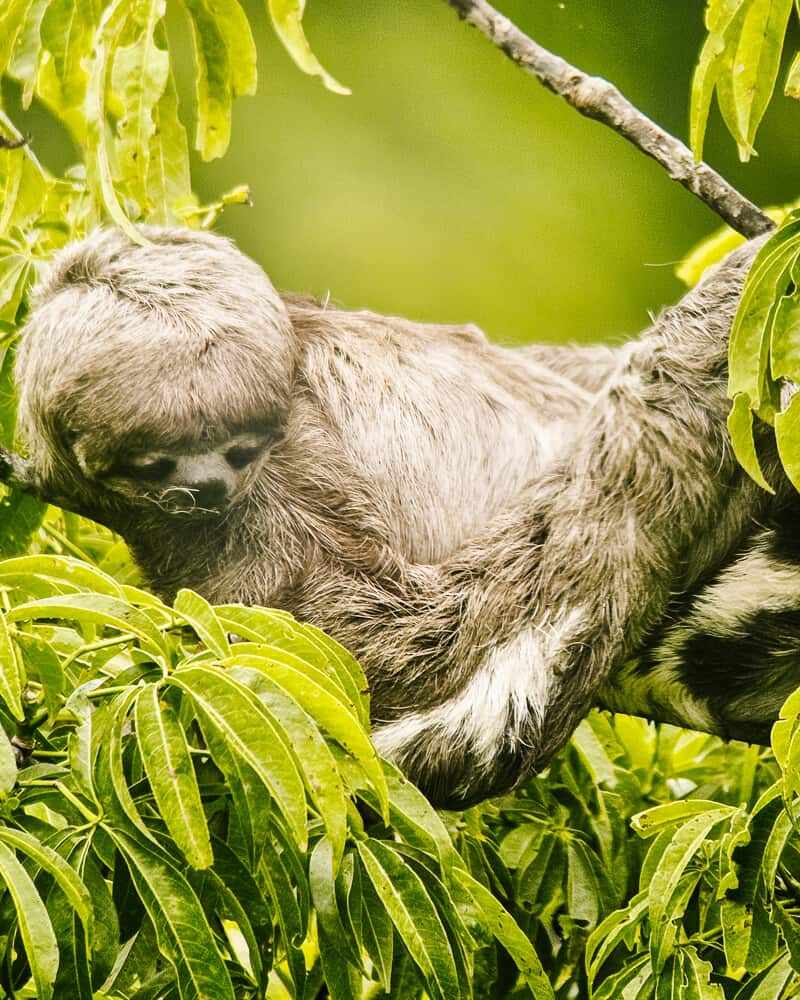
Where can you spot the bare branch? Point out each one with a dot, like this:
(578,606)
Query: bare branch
(596,98)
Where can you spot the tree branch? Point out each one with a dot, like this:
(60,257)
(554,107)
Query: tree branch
(596,98)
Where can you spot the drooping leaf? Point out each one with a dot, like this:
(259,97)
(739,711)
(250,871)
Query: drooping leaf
(184,936)
(787,435)
(201,616)
(225,62)
(503,927)
(287,17)
(740,428)
(414,915)
(12,673)
(34,924)
(139,77)
(249,731)
(755,65)
(318,766)
(168,763)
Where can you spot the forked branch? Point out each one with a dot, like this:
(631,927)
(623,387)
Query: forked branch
(596,98)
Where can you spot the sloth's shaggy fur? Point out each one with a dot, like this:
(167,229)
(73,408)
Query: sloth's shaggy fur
(494,533)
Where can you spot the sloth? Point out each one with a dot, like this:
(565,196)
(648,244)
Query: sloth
(502,537)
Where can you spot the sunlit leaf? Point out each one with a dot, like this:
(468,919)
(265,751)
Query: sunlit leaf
(787,435)
(184,936)
(34,924)
(319,771)
(249,732)
(169,768)
(740,428)
(287,17)
(226,67)
(12,673)
(94,609)
(201,616)
(138,78)
(408,904)
(8,765)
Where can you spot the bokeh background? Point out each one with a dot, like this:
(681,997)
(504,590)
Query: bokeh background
(451,186)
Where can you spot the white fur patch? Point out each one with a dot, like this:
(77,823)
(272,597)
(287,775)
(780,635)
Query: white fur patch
(511,684)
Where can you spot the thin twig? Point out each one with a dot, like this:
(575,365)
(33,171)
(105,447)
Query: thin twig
(596,98)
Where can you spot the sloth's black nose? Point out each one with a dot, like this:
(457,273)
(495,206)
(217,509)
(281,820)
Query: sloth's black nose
(209,493)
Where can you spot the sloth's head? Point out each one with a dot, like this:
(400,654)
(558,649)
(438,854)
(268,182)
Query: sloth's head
(160,373)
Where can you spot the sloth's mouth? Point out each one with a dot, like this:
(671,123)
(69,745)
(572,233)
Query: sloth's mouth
(182,503)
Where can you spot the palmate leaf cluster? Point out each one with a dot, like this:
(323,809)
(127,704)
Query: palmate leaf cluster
(198,817)
(740,64)
(190,807)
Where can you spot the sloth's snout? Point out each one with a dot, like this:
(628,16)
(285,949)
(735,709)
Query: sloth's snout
(207,493)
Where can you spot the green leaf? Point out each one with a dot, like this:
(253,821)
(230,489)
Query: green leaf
(408,904)
(34,924)
(20,517)
(740,428)
(225,61)
(109,784)
(792,86)
(324,701)
(287,16)
(200,615)
(26,57)
(755,65)
(12,18)
(169,768)
(660,818)
(767,280)
(42,664)
(687,977)
(584,891)
(290,905)
(99,148)
(12,673)
(668,890)
(415,819)
(98,610)
(277,628)
(787,435)
(378,932)
(612,932)
(66,32)
(8,765)
(785,335)
(138,79)
(504,928)
(169,185)
(337,943)
(723,20)
(58,574)
(770,983)
(318,766)
(249,732)
(51,861)
(184,937)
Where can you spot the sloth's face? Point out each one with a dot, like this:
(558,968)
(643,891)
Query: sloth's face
(198,480)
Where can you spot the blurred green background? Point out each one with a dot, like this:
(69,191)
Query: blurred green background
(451,186)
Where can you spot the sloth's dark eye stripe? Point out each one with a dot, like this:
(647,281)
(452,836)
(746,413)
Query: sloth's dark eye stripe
(148,471)
(241,455)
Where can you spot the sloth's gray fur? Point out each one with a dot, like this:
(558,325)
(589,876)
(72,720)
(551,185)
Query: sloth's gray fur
(494,533)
